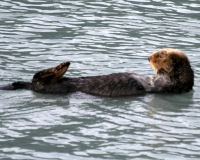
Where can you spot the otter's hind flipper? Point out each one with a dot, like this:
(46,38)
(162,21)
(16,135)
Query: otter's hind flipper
(51,75)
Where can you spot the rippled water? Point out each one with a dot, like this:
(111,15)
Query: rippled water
(98,37)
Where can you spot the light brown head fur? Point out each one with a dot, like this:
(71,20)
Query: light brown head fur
(163,60)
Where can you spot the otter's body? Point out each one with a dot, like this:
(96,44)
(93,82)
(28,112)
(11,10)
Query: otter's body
(173,75)
(118,84)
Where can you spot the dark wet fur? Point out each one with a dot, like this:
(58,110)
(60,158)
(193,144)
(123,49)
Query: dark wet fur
(112,85)
(17,85)
(105,85)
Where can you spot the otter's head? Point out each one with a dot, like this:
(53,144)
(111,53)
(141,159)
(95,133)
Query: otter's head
(174,63)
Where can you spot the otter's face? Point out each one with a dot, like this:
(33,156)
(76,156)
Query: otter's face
(161,61)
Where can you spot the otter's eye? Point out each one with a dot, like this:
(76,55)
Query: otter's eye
(160,56)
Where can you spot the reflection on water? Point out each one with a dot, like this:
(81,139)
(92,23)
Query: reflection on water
(98,37)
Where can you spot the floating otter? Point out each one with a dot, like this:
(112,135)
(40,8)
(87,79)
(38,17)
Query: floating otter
(173,75)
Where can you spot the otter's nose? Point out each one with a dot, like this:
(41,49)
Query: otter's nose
(149,59)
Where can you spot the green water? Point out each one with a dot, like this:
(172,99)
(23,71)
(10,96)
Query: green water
(98,37)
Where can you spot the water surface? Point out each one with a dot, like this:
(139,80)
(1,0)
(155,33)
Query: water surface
(98,37)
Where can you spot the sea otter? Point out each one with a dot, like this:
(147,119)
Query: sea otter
(173,75)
